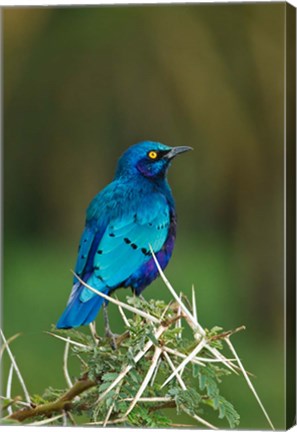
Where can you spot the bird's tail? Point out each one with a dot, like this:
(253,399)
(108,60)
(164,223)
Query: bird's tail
(77,312)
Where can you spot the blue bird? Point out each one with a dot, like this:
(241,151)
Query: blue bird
(134,211)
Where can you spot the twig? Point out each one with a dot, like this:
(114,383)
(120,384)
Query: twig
(227,333)
(249,382)
(22,382)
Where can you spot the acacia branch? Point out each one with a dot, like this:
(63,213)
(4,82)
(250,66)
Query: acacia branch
(60,404)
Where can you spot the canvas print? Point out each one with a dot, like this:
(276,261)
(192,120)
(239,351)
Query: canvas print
(149,216)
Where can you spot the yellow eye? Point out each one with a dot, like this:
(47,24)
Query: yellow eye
(152,155)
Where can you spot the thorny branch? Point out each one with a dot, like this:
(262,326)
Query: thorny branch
(154,350)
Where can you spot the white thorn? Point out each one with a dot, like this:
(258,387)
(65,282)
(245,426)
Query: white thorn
(136,359)
(2,349)
(249,382)
(201,420)
(48,420)
(65,422)
(146,380)
(222,358)
(194,324)
(194,307)
(118,302)
(197,349)
(149,399)
(119,420)
(8,387)
(181,355)
(22,382)
(178,322)
(123,315)
(65,364)
(179,378)
(155,372)
(111,407)
(68,340)
(93,331)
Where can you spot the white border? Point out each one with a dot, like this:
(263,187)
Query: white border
(51,3)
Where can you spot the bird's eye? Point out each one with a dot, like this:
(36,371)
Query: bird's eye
(152,154)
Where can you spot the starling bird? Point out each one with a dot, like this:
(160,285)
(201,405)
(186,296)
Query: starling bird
(135,211)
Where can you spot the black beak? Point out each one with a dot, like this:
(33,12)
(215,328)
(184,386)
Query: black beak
(176,151)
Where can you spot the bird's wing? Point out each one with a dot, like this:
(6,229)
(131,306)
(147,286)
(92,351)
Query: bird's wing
(85,245)
(124,246)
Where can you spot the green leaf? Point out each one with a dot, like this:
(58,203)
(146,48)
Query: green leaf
(110,376)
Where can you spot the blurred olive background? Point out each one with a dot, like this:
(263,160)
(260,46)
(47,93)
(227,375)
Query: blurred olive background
(80,86)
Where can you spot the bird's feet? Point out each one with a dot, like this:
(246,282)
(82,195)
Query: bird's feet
(108,332)
(112,337)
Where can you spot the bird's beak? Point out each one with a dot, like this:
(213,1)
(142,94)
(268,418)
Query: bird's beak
(176,151)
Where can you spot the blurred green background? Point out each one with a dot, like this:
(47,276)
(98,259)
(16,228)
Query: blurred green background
(80,86)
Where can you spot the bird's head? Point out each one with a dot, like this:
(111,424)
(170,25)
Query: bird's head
(148,158)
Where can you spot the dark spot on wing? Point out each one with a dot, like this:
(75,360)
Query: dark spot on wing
(133,246)
(99,252)
(83,257)
(126,240)
(111,235)
(145,252)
